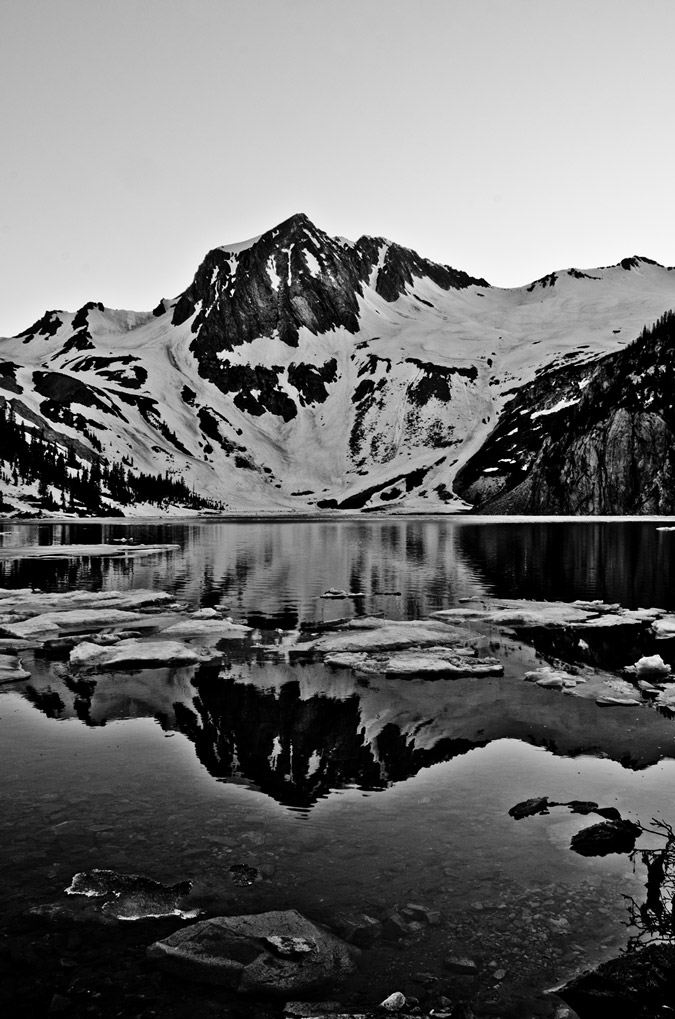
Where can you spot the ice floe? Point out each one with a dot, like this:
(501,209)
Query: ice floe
(77,551)
(652,665)
(222,628)
(53,622)
(136,654)
(414,648)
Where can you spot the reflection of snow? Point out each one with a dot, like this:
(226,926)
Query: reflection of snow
(313,763)
(276,751)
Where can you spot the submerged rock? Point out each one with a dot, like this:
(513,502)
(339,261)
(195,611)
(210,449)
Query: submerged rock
(243,875)
(241,952)
(394,1002)
(461,964)
(132,896)
(357,928)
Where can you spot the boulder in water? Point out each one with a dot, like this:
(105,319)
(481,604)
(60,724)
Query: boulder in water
(253,954)
(607,837)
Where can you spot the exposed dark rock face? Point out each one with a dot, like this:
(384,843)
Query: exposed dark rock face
(127,374)
(209,424)
(256,389)
(45,326)
(401,266)
(293,276)
(270,288)
(63,390)
(434,382)
(81,317)
(310,381)
(412,479)
(609,447)
(8,377)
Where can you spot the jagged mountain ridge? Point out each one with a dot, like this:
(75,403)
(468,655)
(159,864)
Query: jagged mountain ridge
(302,372)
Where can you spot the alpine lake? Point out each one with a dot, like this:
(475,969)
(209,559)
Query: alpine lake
(275,781)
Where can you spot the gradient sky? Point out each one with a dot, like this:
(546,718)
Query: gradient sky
(507,138)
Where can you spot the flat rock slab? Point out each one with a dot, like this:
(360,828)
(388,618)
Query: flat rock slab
(11,670)
(32,603)
(526,613)
(221,628)
(253,954)
(74,551)
(390,635)
(432,663)
(129,654)
(518,612)
(53,622)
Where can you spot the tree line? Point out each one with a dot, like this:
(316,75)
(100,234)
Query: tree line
(68,482)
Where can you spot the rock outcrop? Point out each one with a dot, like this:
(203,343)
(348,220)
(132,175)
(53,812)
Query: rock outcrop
(277,953)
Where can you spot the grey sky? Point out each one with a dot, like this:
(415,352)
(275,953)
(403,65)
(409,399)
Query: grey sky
(507,138)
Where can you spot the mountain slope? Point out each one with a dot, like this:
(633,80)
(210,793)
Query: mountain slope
(607,445)
(299,372)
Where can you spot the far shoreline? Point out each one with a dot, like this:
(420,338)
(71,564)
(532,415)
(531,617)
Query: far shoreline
(332,516)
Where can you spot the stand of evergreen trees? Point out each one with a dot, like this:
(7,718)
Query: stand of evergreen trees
(26,456)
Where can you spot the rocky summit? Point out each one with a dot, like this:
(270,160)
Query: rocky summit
(301,373)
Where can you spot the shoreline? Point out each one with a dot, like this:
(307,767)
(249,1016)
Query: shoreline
(331,516)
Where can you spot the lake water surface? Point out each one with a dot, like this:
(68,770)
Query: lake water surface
(346,794)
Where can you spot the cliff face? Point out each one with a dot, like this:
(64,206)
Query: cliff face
(605,446)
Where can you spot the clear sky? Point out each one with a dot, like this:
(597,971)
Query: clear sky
(507,138)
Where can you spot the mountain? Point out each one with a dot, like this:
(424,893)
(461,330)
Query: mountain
(301,372)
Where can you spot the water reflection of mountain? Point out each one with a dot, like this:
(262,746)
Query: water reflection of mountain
(296,749)
(260,569)
(297,732)
(278,570)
